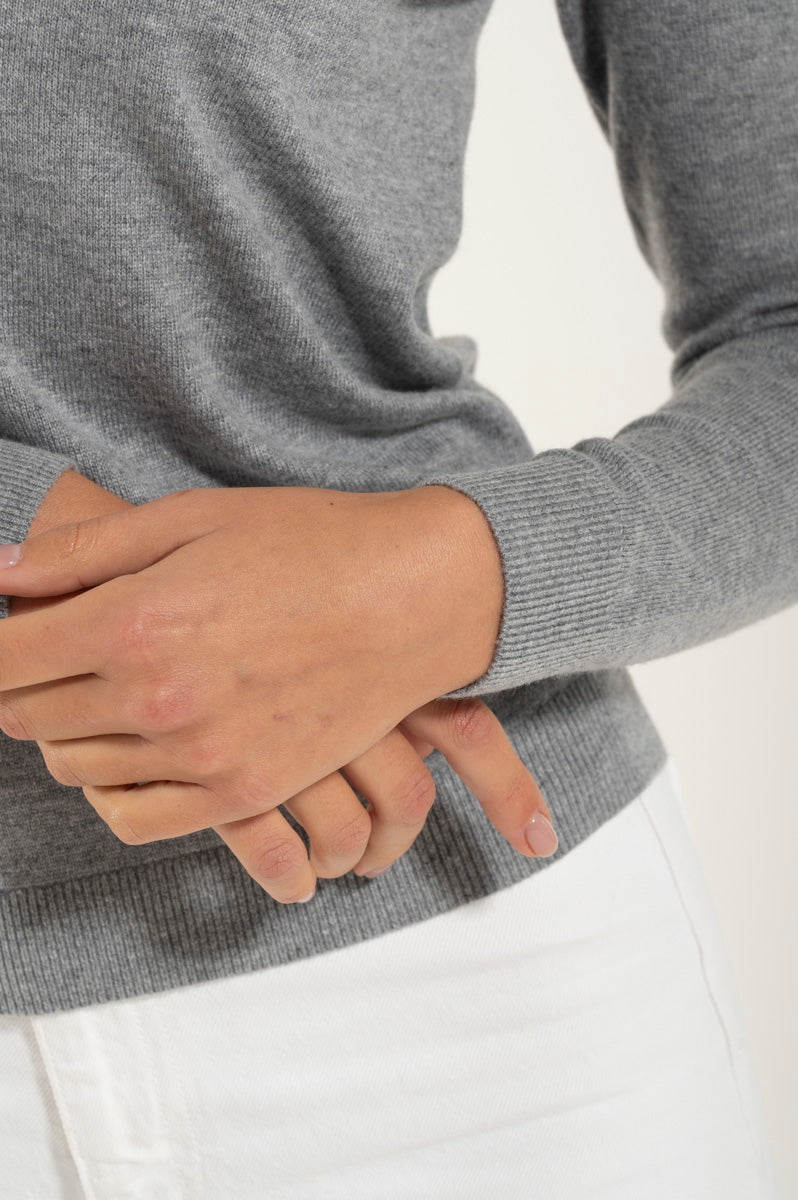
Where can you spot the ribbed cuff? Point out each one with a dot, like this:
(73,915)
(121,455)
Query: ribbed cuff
(564,554)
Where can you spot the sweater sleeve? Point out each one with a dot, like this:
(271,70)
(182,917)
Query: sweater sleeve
(684,526)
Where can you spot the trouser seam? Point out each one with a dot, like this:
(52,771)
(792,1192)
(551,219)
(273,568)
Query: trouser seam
(757,1149)
(62,1108)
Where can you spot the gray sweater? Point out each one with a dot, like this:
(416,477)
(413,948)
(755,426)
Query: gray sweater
(220,220)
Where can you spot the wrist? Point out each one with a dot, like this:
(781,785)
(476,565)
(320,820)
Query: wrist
(459,593)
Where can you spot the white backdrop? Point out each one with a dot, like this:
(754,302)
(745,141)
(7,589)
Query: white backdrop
(549,281)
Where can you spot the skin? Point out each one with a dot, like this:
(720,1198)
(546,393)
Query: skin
(246,649)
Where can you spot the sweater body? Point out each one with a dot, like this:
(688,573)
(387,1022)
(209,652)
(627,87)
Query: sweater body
(220,222)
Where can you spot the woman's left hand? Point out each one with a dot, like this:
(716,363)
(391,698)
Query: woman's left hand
(400,791)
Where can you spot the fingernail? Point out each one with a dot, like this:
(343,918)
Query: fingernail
(305,899)
(374,874)
(541,836)
(9,556)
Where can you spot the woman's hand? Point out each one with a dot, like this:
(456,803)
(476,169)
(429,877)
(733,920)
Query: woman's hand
(170,673)
(400,791)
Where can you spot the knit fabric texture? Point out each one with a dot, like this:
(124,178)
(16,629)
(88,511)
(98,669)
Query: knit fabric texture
(220,221)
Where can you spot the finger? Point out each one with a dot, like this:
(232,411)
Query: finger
(265,844)
(17,605)
(336,823)
(400,791)
(167,807)
(423,749)
(85,553)
(273,854)
(82,706)
(135,824)
(476,746)
(109,761)
(56,642)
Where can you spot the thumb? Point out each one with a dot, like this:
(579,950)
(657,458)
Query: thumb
(80,555)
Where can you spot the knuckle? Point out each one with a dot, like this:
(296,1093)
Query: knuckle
(136,634)
(470,722)
(12,723)
(141,624)
(59,766)
(256,790)
(80,540)
(116,818)
(165,706)
(211,755)
(277,858)
(78,546)
(413,802)
(348,839)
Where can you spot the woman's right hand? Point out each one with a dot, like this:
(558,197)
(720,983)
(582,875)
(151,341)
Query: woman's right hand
(391,776)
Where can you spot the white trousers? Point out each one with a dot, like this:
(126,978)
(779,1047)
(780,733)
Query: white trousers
(571,1037)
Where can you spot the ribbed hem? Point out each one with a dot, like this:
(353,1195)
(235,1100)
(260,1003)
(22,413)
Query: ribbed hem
(591,746)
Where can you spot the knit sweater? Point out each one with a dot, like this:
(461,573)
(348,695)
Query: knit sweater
(219,221)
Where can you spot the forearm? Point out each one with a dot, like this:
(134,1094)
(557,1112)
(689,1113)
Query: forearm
(684,526)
